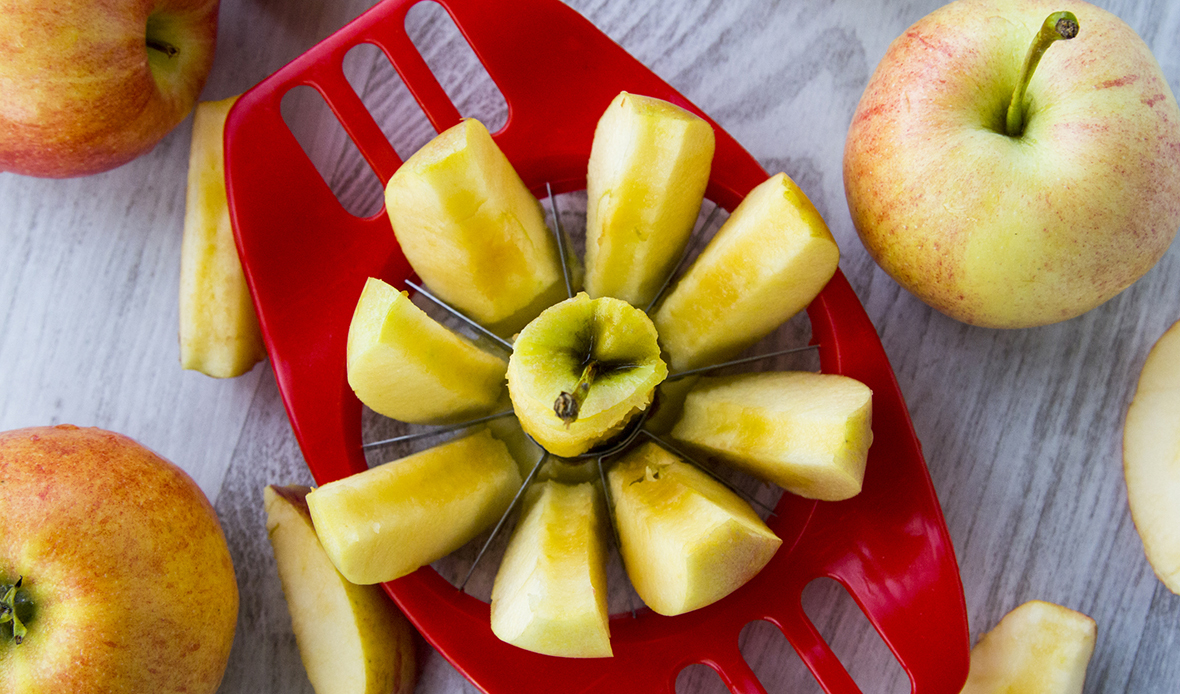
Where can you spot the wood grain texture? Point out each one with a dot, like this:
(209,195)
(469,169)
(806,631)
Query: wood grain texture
(1022,430)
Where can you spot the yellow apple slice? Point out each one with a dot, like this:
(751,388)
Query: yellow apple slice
(352,639)
(1151,458)
(649,166)
(1037,648)
(767,262)
(219,334)
(405,365)
(392,519)
(686,540)
(473,232)
(550,592)
(807,432)
(599,354)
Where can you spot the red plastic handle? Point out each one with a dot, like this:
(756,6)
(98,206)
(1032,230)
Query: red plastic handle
(306,260)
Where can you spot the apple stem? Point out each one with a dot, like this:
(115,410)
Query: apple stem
(163,47)
(1059,25)
(568,403)
(8,612)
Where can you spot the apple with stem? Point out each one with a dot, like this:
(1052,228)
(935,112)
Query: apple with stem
(1007,185)
(90,86)
(114,572)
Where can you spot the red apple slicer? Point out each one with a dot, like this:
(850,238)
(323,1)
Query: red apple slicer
(306,259)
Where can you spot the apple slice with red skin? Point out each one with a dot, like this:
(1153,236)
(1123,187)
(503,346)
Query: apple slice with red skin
(1151,458)
(352,639)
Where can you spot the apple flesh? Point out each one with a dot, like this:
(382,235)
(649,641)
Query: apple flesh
(219,333)
(809,433)
(395,518)
(550,591)
(767,262)
(405,365)
(90,86)
(126,581)
(1151,458)
(686,540)
(473,232)
(1015,231)
(1037,648)
(649,165)
(352,639)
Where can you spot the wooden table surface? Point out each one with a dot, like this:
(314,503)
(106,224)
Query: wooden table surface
(1021,429)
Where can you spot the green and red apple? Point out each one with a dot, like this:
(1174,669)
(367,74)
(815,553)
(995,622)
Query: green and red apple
(89,86)
(352,639)
(1015,222)
(116,565)
(1151,458)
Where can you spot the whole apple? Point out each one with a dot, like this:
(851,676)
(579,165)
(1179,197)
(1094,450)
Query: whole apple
(114,573)
(88,86)
(1023,229)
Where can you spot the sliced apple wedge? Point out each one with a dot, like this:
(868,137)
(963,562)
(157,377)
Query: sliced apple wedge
(581,370)
(1037,648)
(1151,458)
(352,639)
(767,262)
(807,432)
(686,540)
(649,166)
(550,592)
(392,519)
(473,232)
(219,333)
(405,365)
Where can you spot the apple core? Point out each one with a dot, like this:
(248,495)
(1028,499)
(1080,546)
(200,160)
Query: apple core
(581,370)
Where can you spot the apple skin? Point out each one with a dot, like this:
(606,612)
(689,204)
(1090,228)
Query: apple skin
(126,564)
(1015,232)
(81,92)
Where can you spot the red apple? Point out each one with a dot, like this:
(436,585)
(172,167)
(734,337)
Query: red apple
(1015,225)
(88,86)
(116,565)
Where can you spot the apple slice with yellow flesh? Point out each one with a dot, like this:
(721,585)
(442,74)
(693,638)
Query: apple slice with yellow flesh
(405,365)
(219,333)
(809,433)
(473,232)
(392,519)
(352,639)
(550,592)
(581,370)
(686,540)
(1151,458)
(767,262)
(649,165)
(1037,648)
